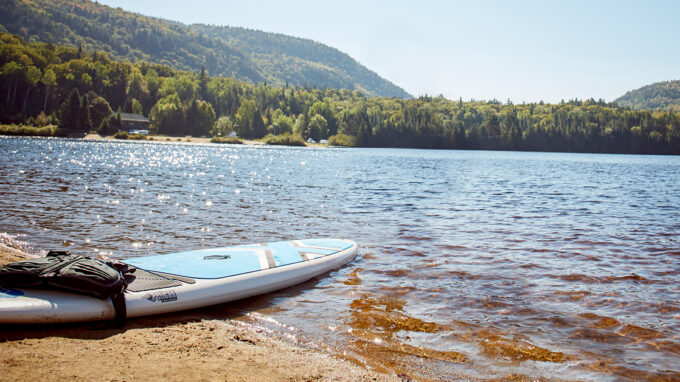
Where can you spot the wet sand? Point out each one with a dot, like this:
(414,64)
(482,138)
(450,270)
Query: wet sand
(175,347)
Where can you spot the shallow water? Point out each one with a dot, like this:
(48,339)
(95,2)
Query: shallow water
(472,264)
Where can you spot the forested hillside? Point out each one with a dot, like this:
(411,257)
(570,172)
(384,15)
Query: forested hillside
(246,55)
(660,95)
(80,89)
(297,61)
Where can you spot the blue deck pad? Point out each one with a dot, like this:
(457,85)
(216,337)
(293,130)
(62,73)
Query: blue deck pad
(202,264)
(230,261)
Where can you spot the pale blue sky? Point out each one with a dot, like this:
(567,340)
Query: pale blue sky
(518,50)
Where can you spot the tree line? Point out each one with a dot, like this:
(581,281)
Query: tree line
(83,91)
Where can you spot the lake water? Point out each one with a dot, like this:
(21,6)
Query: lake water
(472,264)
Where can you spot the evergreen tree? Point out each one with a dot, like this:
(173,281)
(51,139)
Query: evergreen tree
(73,113)
(200,118)
(203,84)
(249,122)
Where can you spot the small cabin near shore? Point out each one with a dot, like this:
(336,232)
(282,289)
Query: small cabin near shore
(132,121)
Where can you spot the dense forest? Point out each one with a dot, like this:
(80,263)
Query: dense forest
(661,95)
(248,55)
(81,90)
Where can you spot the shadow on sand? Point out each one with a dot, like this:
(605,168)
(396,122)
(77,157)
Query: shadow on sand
(102,330)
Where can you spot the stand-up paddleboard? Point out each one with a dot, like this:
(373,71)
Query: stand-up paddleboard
(187,280)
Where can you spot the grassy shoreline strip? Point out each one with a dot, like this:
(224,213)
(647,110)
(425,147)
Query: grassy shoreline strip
(24,130)
(230,140)
(284,140)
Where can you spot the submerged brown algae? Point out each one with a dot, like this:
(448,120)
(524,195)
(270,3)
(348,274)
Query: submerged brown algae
(386,316)
(374,323)
(353,277)
(381,328)
(518,350)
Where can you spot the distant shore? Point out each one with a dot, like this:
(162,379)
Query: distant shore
(188,139)
(174,347)
(163,138)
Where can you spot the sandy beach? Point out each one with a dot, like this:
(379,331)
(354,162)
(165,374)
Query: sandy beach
(177,347)
(162,138)
(187,139)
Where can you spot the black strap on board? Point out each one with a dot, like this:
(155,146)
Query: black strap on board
(119,308)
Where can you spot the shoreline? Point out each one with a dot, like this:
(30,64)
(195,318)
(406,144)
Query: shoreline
(176,347)
(163,139)
(189,139)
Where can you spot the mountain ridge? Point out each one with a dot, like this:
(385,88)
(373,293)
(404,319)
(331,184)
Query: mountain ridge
(664,95)
(223,51)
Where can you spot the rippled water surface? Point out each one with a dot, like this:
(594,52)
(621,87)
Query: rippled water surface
(472,264)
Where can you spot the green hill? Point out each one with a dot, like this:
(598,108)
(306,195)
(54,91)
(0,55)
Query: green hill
(245,54)
(286,59)
(660,95)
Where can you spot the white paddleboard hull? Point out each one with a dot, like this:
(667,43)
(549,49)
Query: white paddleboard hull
(39,307)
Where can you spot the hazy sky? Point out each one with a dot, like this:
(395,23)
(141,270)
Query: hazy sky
(517,50)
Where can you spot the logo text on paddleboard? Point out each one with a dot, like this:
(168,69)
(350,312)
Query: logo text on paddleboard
(165,296)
